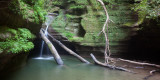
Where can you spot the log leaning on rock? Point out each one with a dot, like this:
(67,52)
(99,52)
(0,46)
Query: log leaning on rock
(68,50)
(52,48)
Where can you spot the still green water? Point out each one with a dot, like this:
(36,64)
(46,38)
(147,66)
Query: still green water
(73,69)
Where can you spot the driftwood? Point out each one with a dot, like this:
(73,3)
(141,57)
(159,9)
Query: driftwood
(151,74)
(52,48)
(68,50)
(143,64)
(140,63)
(109,66)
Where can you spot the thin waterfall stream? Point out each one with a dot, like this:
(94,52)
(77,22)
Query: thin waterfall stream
(49,19)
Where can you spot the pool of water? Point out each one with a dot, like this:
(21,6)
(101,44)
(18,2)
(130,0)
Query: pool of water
(73,69)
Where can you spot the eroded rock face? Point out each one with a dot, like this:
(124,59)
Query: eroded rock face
(84,19)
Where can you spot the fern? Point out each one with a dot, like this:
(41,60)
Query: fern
(19,42)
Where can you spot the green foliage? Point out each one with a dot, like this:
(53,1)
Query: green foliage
(18,42)
(31,10)
(59,21)
(59,24)
(25,33)
(147,8)
(57,2)
(69,35)
(76,6)
(76,39)
(92,19)
(69,16)
(78,1)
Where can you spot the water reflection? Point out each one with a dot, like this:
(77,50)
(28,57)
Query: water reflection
(40,69)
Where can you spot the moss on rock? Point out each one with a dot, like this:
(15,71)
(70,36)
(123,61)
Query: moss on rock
(92,18)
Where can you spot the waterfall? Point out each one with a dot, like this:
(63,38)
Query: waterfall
(41,51)
(49,19)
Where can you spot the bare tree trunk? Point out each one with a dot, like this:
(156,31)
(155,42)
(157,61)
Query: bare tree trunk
(68,50)
(104,32)
(52,48)
(106,56)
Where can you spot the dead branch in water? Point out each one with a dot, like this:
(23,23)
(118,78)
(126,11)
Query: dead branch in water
(68,50)
(140,63)
(151,74)
(109,66)
(143,64)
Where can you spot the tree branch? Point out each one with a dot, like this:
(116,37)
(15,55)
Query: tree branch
(104,32)
(68,50)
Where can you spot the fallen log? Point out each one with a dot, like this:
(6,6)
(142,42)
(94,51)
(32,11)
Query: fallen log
(68,50)
(140,63)
(52,48)
(109,66)
(152,73)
